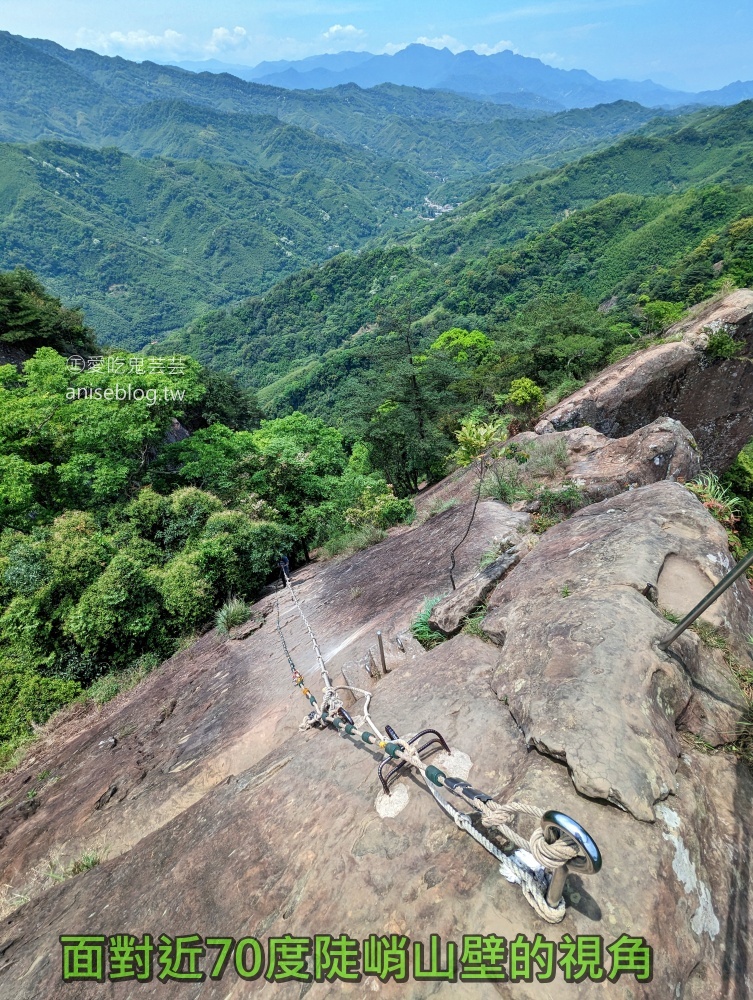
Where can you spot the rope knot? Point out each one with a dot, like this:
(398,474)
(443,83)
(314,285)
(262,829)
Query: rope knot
(552,855)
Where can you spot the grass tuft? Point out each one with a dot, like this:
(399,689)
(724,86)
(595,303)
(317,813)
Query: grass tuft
(420,628)
(474,623)
(88,860)
(234,611)
(439,507)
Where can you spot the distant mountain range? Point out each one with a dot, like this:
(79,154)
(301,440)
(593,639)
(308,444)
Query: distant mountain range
(505,78)
(48,92)
(152,194)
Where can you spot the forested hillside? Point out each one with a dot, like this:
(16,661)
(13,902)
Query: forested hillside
(49,92)
(146,245)
(120,539)
(230,186)
(661,217)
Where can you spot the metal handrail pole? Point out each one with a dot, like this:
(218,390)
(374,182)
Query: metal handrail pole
(709,599)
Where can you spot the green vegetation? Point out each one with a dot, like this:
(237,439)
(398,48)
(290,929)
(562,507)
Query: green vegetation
(152,110)
(420,628)
(740,742)
(147,245)
(109,685)
(117,546)
(88,860)
(517,474)
(550,278)
(473,624)
(720,346)
(235,611)
(30,318)
(722,503)
(354,540)
(739,481)
(150,196)
(492,554)
(439,507)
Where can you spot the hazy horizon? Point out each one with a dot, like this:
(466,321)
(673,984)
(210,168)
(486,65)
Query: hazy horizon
(682,45)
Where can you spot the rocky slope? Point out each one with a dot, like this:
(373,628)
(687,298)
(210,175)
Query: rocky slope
(215,815)
(678,378)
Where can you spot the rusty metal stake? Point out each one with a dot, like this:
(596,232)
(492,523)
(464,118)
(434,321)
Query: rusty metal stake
(724,583)
(381,653)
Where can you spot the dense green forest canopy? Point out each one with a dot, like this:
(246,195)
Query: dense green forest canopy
(147,195)
(654,218)
(119,537)
(212,207)
(46,87)
(145,245)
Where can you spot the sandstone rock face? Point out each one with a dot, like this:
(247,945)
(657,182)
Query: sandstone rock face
(223,818)
(607,466)
(568,619)
(600,465)
(218,708)
(676,379)
(448,615)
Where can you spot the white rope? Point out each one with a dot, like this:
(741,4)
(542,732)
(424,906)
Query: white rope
(533,880)
(366,701)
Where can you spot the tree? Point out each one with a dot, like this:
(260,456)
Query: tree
(31,318)
(524,400)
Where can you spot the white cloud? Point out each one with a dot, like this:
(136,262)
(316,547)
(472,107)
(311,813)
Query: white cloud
(224,38)
(137,41)
(443,42)
(490,50)
(169,44)
(343,31)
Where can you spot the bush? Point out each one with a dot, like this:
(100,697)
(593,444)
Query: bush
(187,595)
(620,352)
(568,498)
(120,615)
(233,612)
(547,456)
(380,509)
(439,507)
(187,513)
(27,699)
(720,346)
(353,541)
(475,437)
(505,483)
(105,688)
(722,504)
(236,554)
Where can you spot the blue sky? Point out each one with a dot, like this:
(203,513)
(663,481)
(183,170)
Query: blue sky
(693,44)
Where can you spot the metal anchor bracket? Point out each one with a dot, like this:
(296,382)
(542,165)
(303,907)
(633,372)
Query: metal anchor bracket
(395,767)
(587,861)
